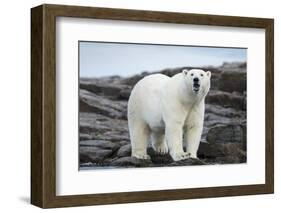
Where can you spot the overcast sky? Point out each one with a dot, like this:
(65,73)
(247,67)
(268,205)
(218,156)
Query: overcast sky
(104,59)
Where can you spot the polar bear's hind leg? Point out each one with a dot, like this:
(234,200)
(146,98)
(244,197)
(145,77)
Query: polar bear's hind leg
(139,133)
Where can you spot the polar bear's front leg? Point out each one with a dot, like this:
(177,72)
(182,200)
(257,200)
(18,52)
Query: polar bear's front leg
(194,129)
(193,136)
(174,134)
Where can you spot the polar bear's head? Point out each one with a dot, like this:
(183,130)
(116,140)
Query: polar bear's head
(197,80)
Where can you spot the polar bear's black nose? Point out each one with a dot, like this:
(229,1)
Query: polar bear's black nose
(196,80)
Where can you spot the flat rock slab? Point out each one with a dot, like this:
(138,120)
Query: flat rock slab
(207,150)
(100,143)
(188,162)
(225,134)
(230,160)
(131,162)
(90,102)
(84,136)
(93,154)
(226,99)
(125,151)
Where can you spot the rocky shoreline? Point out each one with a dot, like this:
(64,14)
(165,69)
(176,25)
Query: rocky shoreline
(104,137)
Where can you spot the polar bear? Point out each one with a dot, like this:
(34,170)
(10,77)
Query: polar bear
(168,110)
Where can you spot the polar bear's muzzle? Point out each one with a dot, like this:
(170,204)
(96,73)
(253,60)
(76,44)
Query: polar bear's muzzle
(196,85)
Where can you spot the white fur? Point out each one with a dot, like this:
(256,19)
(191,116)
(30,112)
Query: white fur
(170,111)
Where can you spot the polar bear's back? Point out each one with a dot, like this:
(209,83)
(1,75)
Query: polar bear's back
(145,99)
(153,82)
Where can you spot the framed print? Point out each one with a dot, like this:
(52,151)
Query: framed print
(136,106)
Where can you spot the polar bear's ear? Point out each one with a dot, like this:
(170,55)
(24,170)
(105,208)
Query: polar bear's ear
(209,74)
(185,71)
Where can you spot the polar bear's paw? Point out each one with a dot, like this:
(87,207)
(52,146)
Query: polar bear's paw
(194,156)
(177,156)
(161,149)
(142,156)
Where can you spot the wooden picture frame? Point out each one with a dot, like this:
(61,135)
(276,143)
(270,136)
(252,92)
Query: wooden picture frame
(43,105)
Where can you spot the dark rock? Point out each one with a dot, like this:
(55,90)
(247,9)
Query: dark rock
(234,66)
(93,154)
(106,80)
(244,129)
(90,87)
(212,120)
(225,112)
(215,80)
(130,162)
(100,127)
(112,91)
(233,149)
(92,120)
(113,138)
(100,143)
(230,160)
(125,94)
(207,150)
(231,81)
(217,115)
(159,159)
(131,81)
(225,134)
(122,143)
(84,136)
(244,107)
(219,152)
(116,136)
(90,102)
(226,99)
(188,162)
(124,151)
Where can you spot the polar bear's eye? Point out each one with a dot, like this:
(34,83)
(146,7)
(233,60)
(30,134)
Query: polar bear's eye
(201,74)
(191,74)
